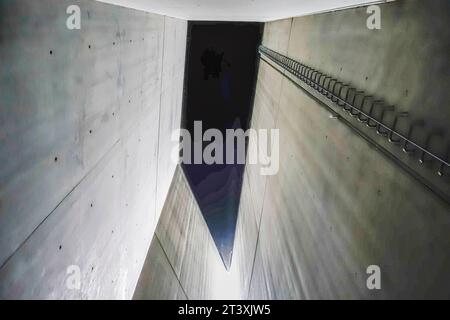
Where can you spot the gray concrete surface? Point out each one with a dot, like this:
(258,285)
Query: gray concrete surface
(158,280)
(187,251)
(85,174)
(85,116)
(175,33)
(237,10)
(337,205)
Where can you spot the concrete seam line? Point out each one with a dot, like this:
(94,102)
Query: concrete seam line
(59,203)
(171,266)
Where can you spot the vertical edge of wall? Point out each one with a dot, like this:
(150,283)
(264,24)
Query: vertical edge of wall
(79,146)
(175,36)
(265,112)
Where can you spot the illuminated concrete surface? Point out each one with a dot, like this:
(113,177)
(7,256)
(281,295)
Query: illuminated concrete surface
(85,174)
(187,253)
(337,205)
(237,10)
(86,117)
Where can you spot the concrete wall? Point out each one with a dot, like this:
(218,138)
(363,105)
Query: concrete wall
(85,124)
(337,204)
(183,261)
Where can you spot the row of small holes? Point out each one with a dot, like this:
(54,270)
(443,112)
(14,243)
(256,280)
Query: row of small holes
(89,46)
(90,132)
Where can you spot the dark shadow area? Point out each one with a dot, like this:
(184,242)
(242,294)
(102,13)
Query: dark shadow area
(220,78)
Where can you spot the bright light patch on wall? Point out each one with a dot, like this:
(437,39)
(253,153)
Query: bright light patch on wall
(238,10)
(225,285)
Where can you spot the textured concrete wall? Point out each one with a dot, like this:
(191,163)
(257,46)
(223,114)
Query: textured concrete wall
(158,280)
(188,264)
(175,33)
(338,205)
(85,121)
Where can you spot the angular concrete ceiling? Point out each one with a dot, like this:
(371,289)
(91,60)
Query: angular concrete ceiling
(237,10)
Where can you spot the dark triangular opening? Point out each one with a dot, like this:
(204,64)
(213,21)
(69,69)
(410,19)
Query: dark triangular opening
(219,89)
